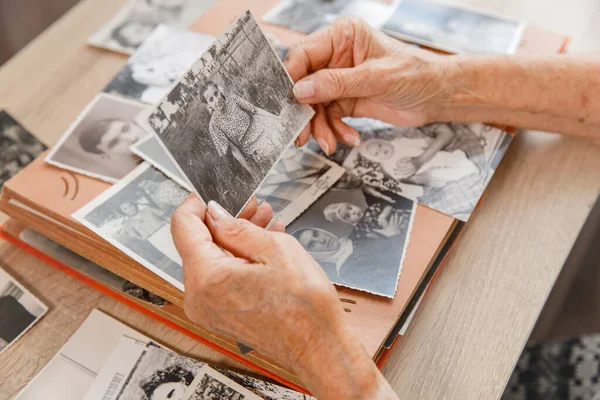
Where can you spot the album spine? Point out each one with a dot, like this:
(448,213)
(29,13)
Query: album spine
(146,310)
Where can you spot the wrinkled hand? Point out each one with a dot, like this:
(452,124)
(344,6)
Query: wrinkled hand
(351,69)
(258,287)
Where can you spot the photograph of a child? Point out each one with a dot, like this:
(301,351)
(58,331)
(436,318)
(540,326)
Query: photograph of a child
(297,180)
(135,215)
(18,147)
(443,166)
(19,310)
(454,29)
(136,20)
(97,143)
(311,15)
(158,63)
(231,116)
(358,234)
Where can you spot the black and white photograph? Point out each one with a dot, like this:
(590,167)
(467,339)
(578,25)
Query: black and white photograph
(135,216)
(18,147)
(310,15)
(136,20)
(358,234)
(19,310)
(231,116)
(98,143)
(211,385)
(444,166)
(297,180)
(150,150)
(158,63)
(454,29)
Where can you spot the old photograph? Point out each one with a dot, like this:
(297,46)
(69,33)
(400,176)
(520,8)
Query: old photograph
(231,116)
(358,234)
(454,29)
(311,15)
(297,180)
(19,310)
(158,63)
(97,143)
(135,216)
(150,150)
(18,147)
(136,20)
(443,166)
(211,385)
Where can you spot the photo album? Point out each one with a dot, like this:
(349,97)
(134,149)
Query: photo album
(203,104)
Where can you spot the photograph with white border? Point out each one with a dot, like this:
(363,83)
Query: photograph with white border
(454,29)
(358,234)
(98,143)
(19,310)
(230,117)
(311,15)
(297,180)
(136,20)
(210,384)
(134,215)
(158,63)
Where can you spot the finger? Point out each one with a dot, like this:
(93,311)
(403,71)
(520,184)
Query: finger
(303,137)
(250,209)
(237,236)
(344,133)
(263,215)
(278,226)
(322,132)
(190,233)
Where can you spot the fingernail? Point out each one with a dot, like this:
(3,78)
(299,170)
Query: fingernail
(324,145)
(304,89)
(352,140)
(216,211)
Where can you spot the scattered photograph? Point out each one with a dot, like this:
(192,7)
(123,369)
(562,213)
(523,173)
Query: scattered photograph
(136,20)
(158,63)
(210,384)
(454,29)
(135,216)
(311,15)
(358,234)
(97,143)
(19,310)
(298,179)
(230,117)
(150,150)
(443,166)
(18,147)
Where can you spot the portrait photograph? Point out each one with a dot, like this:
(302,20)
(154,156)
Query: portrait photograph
(19,310)
(18,147)
(444,166)
(311,15)
(97,143)
(137,19)
(358,234)
(134,215)
(228,120)
(298,179)
(454,29)
(211,385)
(158,63)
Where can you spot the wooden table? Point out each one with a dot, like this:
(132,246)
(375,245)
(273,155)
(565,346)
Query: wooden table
(470,329)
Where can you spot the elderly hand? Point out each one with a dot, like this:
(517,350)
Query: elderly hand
(350,69)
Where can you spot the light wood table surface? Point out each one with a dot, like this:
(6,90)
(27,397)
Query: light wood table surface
(469,330)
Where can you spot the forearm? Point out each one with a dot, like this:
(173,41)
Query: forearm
(556,94)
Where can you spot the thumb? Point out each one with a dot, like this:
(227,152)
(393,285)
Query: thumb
(240,237)
(332,84)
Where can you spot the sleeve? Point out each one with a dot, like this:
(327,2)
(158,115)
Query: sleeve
(218,137)
(244,104)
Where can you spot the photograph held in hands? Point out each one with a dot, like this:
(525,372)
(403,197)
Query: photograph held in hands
(231,116)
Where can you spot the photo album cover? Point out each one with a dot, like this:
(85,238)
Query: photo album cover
(230,117)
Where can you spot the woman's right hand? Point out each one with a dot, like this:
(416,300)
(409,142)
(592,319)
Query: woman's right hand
(351,69)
